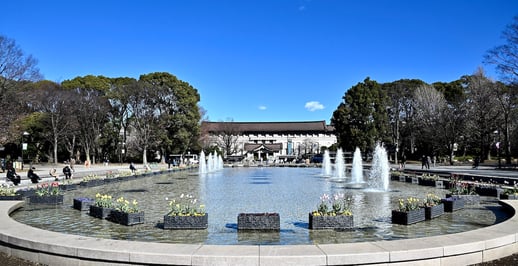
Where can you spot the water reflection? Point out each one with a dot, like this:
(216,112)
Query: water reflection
(292,192)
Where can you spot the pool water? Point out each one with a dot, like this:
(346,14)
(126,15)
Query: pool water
(291,192)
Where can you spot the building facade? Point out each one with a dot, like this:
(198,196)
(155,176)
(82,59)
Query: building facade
(268,141)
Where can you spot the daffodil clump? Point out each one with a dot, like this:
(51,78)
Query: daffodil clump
(103,201)
(431,200)
(338,204)
(124,205)
(91,177)
(186,206)
(409,204)
(7,191)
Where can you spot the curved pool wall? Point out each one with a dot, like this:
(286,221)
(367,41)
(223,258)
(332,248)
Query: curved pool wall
(291,192)
(53,248)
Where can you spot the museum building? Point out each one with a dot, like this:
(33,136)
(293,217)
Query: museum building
(268,141)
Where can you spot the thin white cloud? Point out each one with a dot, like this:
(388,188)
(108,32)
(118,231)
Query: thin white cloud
(314,106)
(262,107)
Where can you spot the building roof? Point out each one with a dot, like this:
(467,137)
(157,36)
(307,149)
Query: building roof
(273,147)
(271,127)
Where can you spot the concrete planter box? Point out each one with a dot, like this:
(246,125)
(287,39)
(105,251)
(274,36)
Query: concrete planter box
(258,221)
(100,212)
(434,211)
(49,200)
(453,204)
(330,222)
(489,191)
(469,199)
(427,182)
(92,183)
(410,217)
(125,218)
(68,187)
(186,222)
(83,204)
(508,196)
(15,197)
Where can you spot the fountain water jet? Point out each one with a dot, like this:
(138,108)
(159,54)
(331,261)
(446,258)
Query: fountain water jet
(326,164)
(202,167)
(339,173)
(380,170)
(357,171)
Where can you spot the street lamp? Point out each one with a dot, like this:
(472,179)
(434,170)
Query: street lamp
(24,144)
(497,145)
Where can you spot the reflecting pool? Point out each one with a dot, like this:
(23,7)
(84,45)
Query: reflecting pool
(291,192)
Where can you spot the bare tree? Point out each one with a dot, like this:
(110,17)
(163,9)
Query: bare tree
(228,136)
(441,123)
(505,56)
(483,111)
(15,66)
(50,99)
(145,118)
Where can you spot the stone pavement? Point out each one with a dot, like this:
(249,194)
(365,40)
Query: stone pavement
(80,171)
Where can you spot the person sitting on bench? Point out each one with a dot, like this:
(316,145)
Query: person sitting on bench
(33,176)
(67,172)
(13,177)
(54,174)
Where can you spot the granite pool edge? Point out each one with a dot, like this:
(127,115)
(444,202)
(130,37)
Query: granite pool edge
(53,248)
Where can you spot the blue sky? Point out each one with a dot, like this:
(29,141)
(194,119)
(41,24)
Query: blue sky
(270,60)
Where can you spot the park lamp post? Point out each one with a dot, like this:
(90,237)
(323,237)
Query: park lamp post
(497,145)
(24,144)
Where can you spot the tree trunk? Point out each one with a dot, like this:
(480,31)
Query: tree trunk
(55,149)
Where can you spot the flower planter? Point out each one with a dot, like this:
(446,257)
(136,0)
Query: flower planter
(508,196)
(27,192)
(427,182)
(83,204)
(15,197)
(439,184)
(453,204)
(186,222)
(125,218)
(68,187)
(50,200)
(92,183)
(110,180)
(488,191)
(433,211)
(394,177)
(469,199)
(409,217)
(258,221)
(408,179)
(100,212)
(402,178)
(330,222)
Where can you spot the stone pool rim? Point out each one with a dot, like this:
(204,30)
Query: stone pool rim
(53,248)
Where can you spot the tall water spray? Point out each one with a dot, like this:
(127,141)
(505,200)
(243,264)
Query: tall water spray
(357,168)
(380,170)
(339,165)
(202,167)
(326,164)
